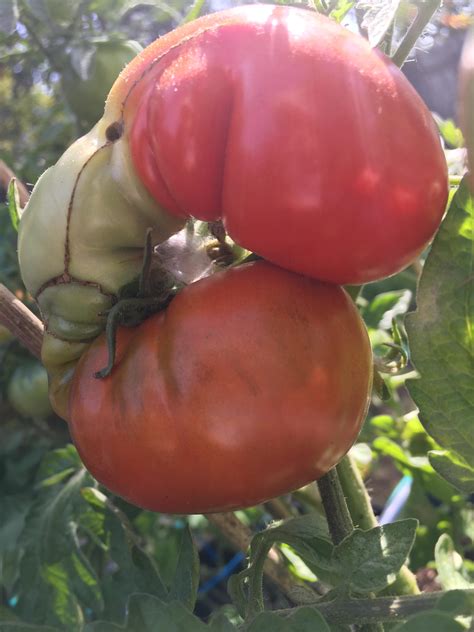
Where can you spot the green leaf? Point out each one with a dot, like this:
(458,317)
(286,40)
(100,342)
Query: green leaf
(8,16)
(309,538)
(448,130)
(303,620)
(454,469)
(393,303)
(220,623)
(13,199)
(369,560)
(186,580)
(136,571)
(466,105)
(456,602)
(449,565)
(341,10)
(308,619)
(25,627)
(148,614)
(378,19)
(441,332)
(429,622)
(56,580)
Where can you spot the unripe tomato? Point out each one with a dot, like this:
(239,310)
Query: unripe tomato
(252,383)
(311,146)
(5,334)
(86,97)
(28,390)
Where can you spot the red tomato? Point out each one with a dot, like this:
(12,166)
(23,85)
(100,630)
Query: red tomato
(252,383)
(312,147)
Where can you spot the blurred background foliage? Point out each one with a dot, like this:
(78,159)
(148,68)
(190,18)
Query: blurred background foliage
(58,59)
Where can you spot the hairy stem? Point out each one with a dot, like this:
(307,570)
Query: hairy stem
(386,609)
(360,508)
(239,536)
(22,323)
(335,506)
(339,521)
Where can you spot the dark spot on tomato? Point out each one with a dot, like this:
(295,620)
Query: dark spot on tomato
(114,131)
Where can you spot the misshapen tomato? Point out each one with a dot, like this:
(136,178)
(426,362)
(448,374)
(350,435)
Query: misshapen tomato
(313,148)
(252,383)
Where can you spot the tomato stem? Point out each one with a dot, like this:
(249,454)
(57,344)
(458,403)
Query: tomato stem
(387,609)
(339,520)
(335,506)
(423,16)
(360,508)
(20,321)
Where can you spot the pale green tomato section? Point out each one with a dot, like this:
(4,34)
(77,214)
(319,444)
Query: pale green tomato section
(82,233)
(76,312)
(60,358)
(81,239)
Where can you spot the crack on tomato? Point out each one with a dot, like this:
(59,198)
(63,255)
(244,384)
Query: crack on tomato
(67,250)
(66,279)
(56,337)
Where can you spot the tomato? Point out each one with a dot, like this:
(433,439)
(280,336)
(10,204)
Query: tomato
(28,390)
(86,97)
(312,147)
(252,383)
(5,335)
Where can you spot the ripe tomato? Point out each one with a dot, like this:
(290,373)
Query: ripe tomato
(312,147)
(252,383)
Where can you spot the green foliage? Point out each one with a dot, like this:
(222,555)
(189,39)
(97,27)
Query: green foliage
(72,556)
(430,622)
(441,332)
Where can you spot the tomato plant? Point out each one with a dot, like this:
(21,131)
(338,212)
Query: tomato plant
(243,389)
(257,116)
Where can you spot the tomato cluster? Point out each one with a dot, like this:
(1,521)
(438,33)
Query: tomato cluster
(317,155)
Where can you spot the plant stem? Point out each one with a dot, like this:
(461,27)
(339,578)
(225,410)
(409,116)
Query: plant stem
(239,536)
(22,323)
(363,516)
(356,495)
(335,506)
(339,521)
(423,16)
(386,609)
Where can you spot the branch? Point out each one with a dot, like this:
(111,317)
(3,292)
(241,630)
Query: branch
(22,323)
(6,175)
(386,609)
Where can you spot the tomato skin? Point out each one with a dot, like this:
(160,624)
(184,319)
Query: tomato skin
(313,148)
(252,383)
